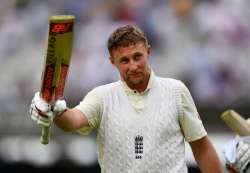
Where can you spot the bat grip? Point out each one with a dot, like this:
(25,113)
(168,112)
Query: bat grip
(45,137)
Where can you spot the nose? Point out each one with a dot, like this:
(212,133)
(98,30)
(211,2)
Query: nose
(133,66)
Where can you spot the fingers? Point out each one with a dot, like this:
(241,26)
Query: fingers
(33,113)
(243,155)
(45,119)
(60,106)
(40,111)
(41,104)
(43,113)
(237,154)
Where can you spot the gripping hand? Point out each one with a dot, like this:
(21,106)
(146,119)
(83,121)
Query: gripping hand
(43,112)
(237,155)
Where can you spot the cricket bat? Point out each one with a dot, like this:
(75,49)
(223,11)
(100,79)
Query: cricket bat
(57,61)
(236,122)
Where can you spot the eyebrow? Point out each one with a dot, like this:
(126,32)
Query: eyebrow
(136,53)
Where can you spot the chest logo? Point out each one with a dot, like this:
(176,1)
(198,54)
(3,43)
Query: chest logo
(138,147)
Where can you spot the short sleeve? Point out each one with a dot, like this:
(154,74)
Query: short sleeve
(90,106)
(190,121)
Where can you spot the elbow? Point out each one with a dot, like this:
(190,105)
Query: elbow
(65,128)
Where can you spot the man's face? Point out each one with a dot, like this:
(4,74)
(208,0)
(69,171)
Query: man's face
(132,63)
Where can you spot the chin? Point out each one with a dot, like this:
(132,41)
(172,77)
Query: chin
(136,81)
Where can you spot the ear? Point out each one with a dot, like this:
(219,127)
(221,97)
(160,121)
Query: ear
(149,49)
(112,60)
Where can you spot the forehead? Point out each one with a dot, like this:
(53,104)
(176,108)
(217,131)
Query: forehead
(129,50)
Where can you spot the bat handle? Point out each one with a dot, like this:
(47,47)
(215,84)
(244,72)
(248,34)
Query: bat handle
(45,137)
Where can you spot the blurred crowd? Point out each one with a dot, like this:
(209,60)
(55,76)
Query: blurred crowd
(205,43)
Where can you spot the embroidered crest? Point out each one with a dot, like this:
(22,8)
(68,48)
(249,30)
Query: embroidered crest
(138,147)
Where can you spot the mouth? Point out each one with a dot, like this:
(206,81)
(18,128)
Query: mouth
(135,75)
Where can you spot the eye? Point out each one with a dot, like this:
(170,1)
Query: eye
(137,56)
(124,60)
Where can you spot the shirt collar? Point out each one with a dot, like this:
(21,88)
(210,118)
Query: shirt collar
(133,91)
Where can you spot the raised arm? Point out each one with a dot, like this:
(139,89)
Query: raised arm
(68,119)
(65,118)
(206,156)
(71,120)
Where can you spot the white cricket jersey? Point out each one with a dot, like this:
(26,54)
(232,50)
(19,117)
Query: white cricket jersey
(142,132)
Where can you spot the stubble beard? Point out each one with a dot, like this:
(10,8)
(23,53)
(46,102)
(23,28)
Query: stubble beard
(136,81)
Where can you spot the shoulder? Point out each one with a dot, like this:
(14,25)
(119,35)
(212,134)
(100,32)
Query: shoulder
(102,89)
(170,82)
(97,94)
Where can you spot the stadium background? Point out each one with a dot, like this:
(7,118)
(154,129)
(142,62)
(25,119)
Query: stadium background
(204,43)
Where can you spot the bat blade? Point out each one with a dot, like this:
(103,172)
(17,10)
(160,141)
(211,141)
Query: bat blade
(236,122)
(57,61)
